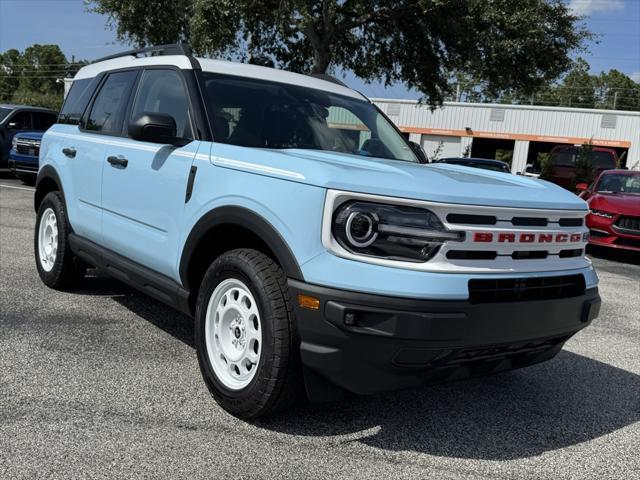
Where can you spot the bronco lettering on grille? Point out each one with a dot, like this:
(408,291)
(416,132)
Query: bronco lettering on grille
(510,237)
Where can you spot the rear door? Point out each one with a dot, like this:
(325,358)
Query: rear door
(101,125)
(144,184)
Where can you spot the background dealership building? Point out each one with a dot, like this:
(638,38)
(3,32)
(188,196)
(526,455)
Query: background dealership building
(495,130)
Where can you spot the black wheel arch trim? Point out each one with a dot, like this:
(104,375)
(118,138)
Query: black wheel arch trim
(46,172)
(240,217)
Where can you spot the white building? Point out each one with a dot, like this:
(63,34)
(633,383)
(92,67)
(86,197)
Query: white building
(482,130)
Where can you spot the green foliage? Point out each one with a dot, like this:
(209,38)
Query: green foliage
(546,166)
(584,165)
(467,151)
(35,76)
(418,42)
(579,88)
(504,155)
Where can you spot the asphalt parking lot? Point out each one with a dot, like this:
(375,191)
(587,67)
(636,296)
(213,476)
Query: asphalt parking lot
(104,382)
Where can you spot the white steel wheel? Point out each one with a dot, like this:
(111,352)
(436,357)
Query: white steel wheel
(48,239)
(233,334)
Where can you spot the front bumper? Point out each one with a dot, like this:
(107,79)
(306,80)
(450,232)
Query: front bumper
(23,164)
(604,233)
(369,343)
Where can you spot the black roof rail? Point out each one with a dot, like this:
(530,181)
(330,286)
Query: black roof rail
(328,78)
(157,50)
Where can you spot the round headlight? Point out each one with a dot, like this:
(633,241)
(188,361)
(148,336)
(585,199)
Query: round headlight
(395,232)
(361,228)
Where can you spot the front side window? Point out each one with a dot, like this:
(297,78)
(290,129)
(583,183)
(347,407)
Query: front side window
(162,91)
(42,121)
(21,121)
(262,114)
(108,109)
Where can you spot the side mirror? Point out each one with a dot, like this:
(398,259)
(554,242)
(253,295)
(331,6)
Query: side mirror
(419,152)
(582,187)
(13,126)
(155,128)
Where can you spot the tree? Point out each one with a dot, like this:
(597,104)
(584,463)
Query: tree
(34,76)
(584,165)
(419,42)
(580,88)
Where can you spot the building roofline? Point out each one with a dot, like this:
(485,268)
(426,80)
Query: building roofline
(515,107)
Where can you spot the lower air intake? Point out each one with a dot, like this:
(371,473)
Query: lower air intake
(525,289)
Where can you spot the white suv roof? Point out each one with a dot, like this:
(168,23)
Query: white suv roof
(218,66)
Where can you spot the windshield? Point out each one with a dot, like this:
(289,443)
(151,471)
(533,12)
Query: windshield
(4,112)
(619,184)
(256,113)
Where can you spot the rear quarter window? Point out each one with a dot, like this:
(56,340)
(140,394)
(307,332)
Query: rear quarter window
(77,101)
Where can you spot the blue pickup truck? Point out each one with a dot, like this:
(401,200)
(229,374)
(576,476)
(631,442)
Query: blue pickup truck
(17,120)
(23,156)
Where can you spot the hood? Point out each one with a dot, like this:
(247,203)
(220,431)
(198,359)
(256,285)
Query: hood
(30,135)
(621,203)
(434,182)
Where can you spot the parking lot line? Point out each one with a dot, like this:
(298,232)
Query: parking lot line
(18,188)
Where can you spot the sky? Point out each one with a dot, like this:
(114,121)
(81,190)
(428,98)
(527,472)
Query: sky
(85,35)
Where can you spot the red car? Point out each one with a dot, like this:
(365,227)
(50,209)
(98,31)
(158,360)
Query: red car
(614,209)
(563,160)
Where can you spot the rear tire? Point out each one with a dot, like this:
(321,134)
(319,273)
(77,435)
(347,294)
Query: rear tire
(57,266)
(246,337)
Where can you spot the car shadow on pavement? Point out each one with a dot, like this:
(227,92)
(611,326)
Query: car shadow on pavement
(566,401)
(153,311)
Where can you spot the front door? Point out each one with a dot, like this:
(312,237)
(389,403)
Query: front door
(84,152)
(144,184)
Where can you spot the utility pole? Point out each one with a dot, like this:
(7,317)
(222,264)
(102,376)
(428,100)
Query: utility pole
(458,92)
(615,100)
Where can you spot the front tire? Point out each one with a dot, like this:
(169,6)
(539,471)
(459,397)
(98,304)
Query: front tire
(246,337)
(56,264)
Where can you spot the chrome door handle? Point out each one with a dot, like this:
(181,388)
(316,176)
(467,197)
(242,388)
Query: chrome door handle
(69,152)
(118,162)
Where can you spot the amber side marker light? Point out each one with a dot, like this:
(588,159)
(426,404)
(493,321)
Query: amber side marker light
(306,301)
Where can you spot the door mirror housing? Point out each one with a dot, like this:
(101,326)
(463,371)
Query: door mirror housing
(582,187)
(13,126)
(155,128)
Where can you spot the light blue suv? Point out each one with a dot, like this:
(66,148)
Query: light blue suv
(291,218)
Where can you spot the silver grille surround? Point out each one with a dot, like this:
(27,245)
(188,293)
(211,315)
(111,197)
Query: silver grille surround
(504,263)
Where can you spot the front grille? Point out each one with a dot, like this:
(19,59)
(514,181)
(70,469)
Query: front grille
(467,219)
(628,242)
(28,147)
(525,289)
(574,252)
(529,221)
(471,219)
(629,225)
(517,255)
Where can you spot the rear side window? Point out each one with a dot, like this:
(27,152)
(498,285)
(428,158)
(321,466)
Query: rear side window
(107,112)
(76,101)
(162,91)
